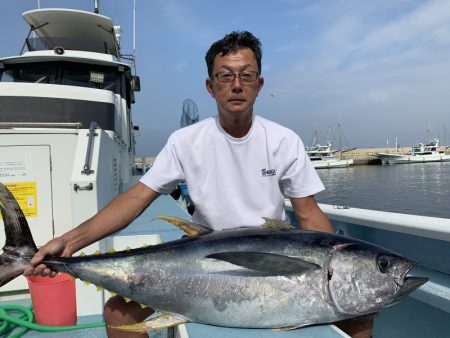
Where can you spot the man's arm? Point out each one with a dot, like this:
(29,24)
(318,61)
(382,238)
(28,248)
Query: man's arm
(120,212)
(309,215)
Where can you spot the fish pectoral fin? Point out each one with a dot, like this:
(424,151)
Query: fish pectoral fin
(275,224)
(191,229)
(158,323)
(269,263)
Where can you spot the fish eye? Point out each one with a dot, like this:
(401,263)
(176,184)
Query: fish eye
(383,263)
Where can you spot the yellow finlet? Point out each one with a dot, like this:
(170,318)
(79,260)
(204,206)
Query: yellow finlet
(111,251)
(128,249)
(112,293)
(82,254)
(143,306)
(99,288)
(97,252)
(127,300)
(86,283)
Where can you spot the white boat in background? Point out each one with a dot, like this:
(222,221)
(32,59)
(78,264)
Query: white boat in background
(322,156)
(419,154)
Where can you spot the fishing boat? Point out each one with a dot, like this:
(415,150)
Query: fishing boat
(420,153)
(67,148)
(66,128)
(322,156)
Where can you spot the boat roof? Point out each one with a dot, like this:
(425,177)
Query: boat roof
(73,24)
(69,56)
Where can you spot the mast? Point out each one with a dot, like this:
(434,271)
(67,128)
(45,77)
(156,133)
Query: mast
(445,139)
(340,142)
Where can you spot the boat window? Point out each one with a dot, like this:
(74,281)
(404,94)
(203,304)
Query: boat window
(27,72)
(42,43)
(92,76)
(66,73)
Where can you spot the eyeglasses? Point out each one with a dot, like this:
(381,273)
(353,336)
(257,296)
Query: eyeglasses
(227,77)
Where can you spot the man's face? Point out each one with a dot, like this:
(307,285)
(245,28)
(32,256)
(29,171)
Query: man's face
(236,98)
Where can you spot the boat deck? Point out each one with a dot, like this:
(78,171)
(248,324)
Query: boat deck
(146,224)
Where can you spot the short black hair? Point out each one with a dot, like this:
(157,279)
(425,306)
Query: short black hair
(231,43)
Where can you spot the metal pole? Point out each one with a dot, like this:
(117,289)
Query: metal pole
(134,36)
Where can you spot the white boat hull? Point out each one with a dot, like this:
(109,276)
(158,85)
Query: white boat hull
(387,158)
(335,163)
(419,159)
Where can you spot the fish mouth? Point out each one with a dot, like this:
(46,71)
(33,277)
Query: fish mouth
(409,284)
(413,283)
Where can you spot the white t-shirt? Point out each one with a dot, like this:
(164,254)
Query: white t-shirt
(234,182)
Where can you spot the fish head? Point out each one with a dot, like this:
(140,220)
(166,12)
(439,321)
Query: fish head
(363,278)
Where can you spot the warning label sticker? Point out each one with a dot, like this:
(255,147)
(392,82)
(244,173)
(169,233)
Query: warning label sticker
(25,194)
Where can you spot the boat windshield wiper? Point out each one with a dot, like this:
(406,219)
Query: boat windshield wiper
(42,78)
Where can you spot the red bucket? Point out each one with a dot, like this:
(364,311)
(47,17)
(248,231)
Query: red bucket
(54,300)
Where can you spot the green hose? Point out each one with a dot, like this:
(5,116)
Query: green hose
(6,326)
(24,321)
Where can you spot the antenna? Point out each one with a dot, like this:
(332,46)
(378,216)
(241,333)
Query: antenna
(34,34)
(134,35)
(131,57)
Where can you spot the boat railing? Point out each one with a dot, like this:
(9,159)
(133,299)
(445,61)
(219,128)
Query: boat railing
(11,125)
(423,226)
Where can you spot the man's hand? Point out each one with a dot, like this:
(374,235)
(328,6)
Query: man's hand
(120,212)
(56,248)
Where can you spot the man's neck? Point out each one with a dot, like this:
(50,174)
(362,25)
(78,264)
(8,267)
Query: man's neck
(237,127)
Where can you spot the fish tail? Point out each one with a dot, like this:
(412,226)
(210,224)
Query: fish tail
(19,244)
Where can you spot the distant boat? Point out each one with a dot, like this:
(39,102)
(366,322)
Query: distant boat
(419,154)
(322,156)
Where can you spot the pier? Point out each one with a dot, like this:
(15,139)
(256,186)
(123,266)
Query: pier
(360,156)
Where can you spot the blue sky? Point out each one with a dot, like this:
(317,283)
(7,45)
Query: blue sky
(381,68)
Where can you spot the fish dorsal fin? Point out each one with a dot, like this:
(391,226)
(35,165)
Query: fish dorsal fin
(275,224)
(268,263)
(157,323)
(191,229)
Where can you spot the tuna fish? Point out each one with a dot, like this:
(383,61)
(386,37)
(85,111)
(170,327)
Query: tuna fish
(274,276)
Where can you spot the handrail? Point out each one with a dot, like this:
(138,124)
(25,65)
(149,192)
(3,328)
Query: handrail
(87,163)
(76,125)
(424,226)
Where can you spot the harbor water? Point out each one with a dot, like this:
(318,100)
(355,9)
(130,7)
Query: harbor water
(419,189)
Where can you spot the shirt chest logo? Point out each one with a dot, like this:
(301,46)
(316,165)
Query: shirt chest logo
(268,172)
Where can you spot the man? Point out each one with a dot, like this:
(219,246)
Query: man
(238,166)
